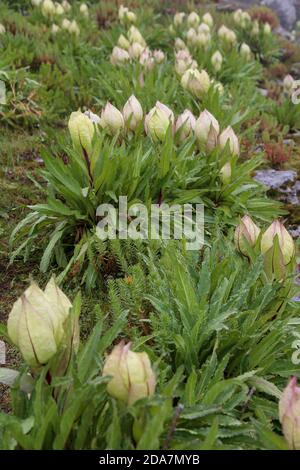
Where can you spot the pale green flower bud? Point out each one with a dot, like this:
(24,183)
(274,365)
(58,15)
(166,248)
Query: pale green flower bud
(289,413)
(48,8)
(132,375)
(245,51)
(217,60)
(180,44)
(36,323)
(66,24)
(54,28)
(225,173)
(246,230)
(74,28)
(193,20)
(81,130)
(112,119)
(2,29)
(158,121)
(207,130)
(59,9)
(208,19)
(131,17)
(123,42)
(228,136)
(267,28)
(66,5)
(132,113)
(134,35)
(196,82)
(178,18)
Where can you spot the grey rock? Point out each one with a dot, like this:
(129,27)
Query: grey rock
(276,179)
(285,9)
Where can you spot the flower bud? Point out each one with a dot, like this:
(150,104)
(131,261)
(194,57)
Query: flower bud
(208,19)
(178,18)
(94,118)
(134,35)
(196,82)
(288,84)
(131,17)
(237,16)
(36,3)
(146,59)
(132,113)
(122,12)
(225,173)
(183,61)
(112,119)
(119,56)
(84,9)
(59,9)
(203,40)
(191,37)
(203,28)
(48,8)
(81,130)
(158,56)
(158,121)
(289,412)
(132,375)
(229,136)
(66,24)
(193,20)
(123,42)
(54,28)
(267,28)
(246,230)
(66,5)
(227,35)
(179,44)
(245,51)
(217,60)
(135,50)
(74,28)
(255,28)
(35,323)
(219,87)
(245,19)
(185,124)
(2,29)
(286,242)
(207,130)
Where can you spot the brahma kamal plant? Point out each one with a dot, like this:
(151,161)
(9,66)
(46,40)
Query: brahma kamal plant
(149,158)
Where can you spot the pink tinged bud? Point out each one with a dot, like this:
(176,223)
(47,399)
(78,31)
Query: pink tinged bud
(197,83)
(135,50)
(119,56)
(246,233)
(158,56)
(286,242)
(158,121)
(289,414)
(134,35)
(185,124)
(112,119)
(207,130)
(132,375)
(288,84)
(228,137)
(132,113)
